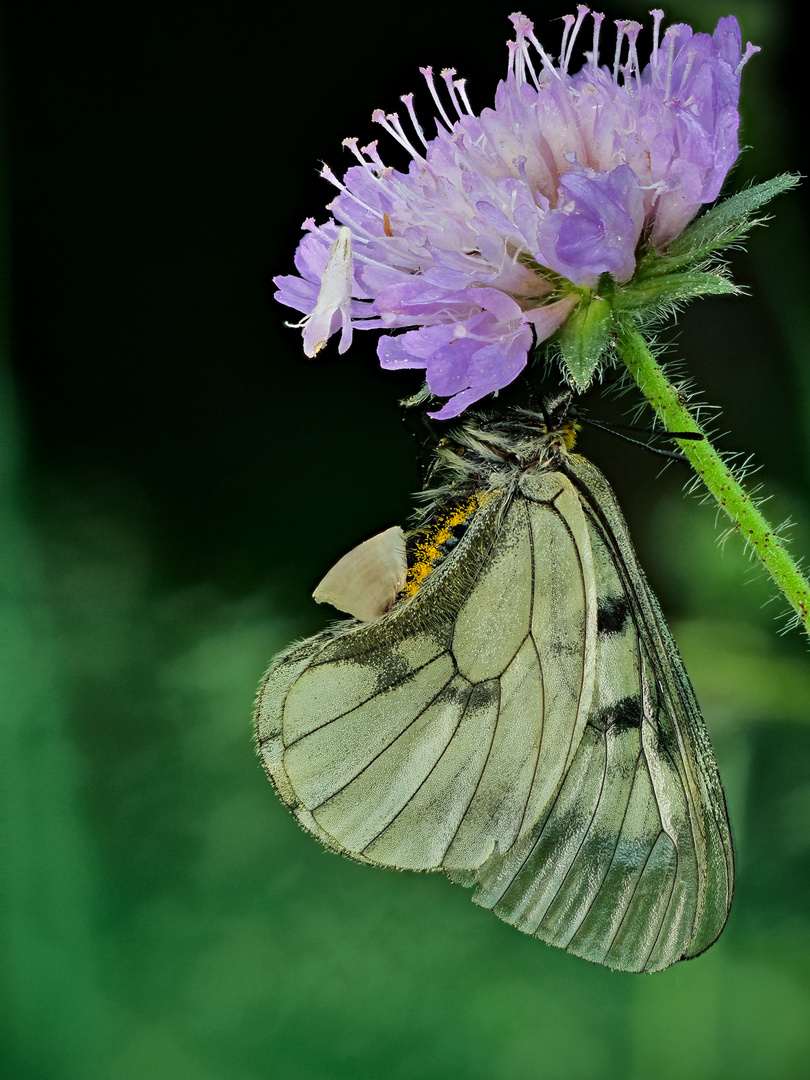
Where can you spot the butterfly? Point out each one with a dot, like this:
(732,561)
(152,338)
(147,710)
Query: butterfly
(510,708)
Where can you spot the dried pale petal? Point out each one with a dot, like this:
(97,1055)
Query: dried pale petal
(366,581)
(334,298)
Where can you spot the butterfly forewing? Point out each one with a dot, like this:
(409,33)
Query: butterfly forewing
(523,722)
(433,737)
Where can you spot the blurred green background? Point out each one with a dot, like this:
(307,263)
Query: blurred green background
(175,479)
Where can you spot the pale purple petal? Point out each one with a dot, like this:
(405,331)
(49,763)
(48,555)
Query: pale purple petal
(393,354)
(491,369)
(595,228)
(296,293)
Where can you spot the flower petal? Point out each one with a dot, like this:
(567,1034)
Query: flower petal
(596,226)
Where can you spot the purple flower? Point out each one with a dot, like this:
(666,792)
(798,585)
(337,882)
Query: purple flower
(504,219)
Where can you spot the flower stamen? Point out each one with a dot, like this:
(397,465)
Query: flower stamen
(447,76)
(632,30)
(565,54)
(524,29)
(407,100)
(658,18)
(598,19)
(620,25)
(393,126)
(671,34)
(428,74)
(461,86)
(327,174)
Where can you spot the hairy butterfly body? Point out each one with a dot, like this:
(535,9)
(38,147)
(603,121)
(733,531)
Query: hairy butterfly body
(520,718)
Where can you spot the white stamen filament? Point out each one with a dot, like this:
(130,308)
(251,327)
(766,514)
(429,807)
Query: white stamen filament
(391,180)
(447,76)
(569,21)
(327,174)
(632,29)
(658,17)
(352,145)
(407,100)
(374,167)
(392,125)
(516,64)
(370,149)
(598,19)
(527,63)
(749,52)
(548,63)
(428,73)
(460,85)
(670,36)
(620,25)
(566,54)
(402,261)
(358,230)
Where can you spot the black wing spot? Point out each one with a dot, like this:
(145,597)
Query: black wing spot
(666,740)
(612,613)
(618,717)
(484,693)
(392,670)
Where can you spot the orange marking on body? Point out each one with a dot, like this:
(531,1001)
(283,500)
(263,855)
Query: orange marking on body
(428,551)
(570,430)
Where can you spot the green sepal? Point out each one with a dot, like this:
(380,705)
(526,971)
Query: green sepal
(690,266)
(651,291)
(726,222)
(584,336)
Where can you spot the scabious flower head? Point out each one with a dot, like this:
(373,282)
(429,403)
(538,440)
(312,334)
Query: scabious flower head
(505,218)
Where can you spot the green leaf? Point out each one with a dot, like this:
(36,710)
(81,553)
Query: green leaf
(726,222)
(583,337)
(644,292)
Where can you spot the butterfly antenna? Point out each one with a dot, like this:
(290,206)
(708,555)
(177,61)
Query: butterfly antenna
(673,455)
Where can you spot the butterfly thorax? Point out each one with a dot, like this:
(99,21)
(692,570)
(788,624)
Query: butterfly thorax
(485,458)
(485,451)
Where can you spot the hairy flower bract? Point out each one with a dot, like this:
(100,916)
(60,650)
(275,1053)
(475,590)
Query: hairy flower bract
(483,247)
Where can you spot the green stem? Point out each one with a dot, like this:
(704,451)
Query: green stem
(713,471)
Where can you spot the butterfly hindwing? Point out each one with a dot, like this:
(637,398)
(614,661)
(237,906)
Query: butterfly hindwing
(677,737)
(631,865)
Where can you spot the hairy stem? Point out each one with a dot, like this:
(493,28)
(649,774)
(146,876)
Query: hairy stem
(714,472)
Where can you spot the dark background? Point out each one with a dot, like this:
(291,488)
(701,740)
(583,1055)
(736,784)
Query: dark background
(176,477)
